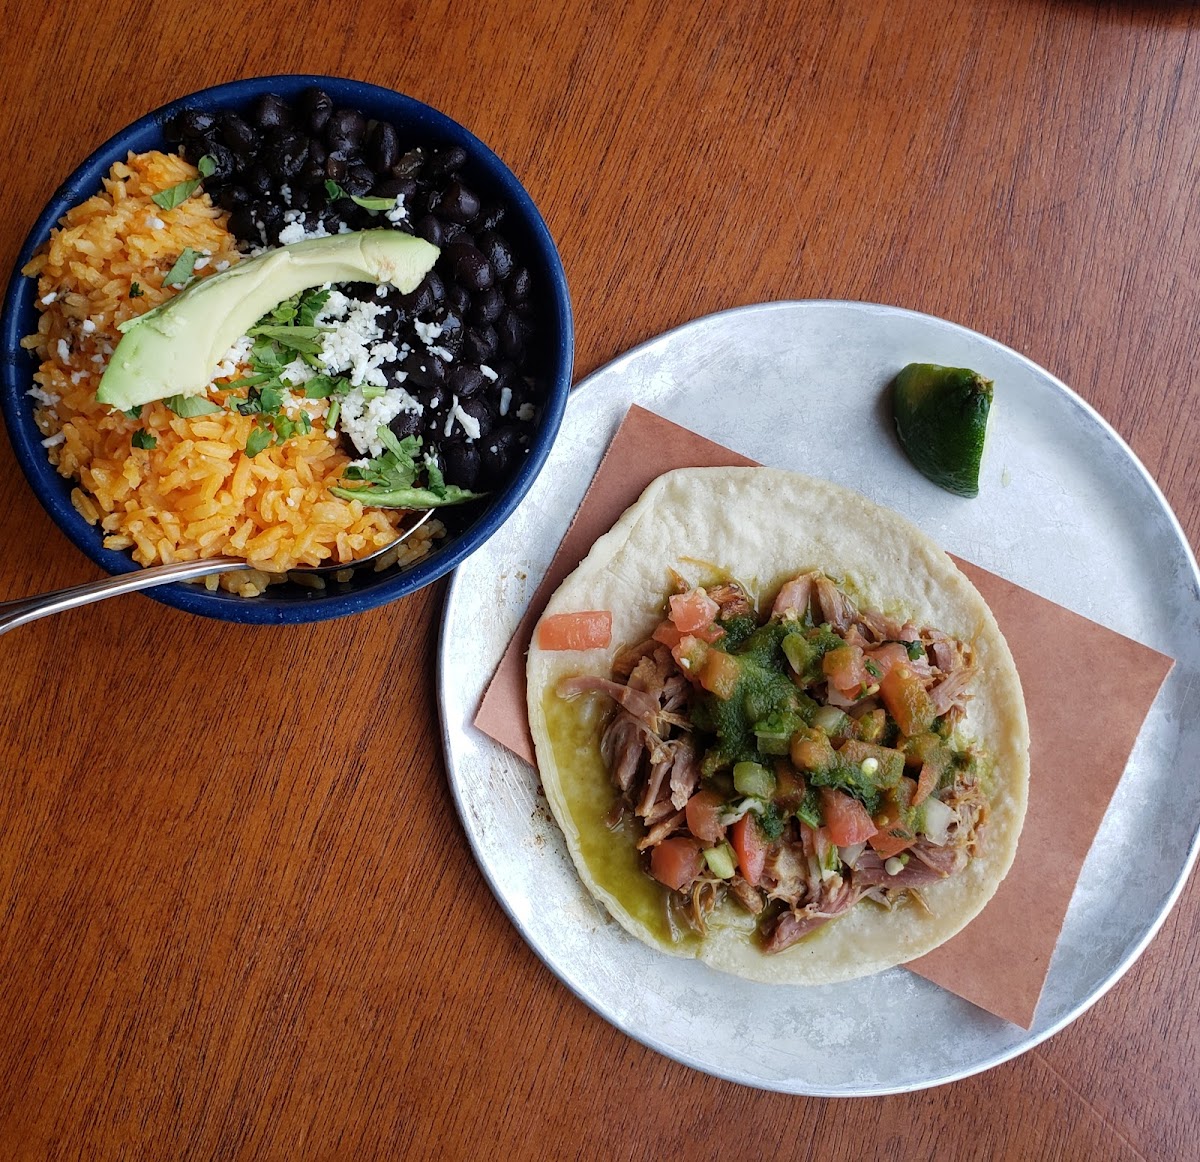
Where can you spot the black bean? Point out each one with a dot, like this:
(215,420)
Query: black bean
(454,231)
(496,250)
(243,225)
(479,344)
(347,125)
(451,336)
(311,177)
(487,306)
(224,164)
(437,288)
(419,301)
(300,197)
(335,167)
(491,216)
(469,265)
(460,464)
(317,153)
(496,453)
(430,229)
(519,285)
(406,424)
(465,380)
(257,180)
(511,331)
(388,187)
(410,164)
(271,217)
(458,299)
(424,369)
(458,203)
(481,412)
(231,197)
(286,157)
(446,161)
(193,122)
(237,134)
(359,179)
(271,112)
(316,106)
(383,147)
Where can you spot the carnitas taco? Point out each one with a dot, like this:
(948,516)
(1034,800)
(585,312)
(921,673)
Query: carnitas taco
(779,729)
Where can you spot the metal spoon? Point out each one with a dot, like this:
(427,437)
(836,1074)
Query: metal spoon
(25,609)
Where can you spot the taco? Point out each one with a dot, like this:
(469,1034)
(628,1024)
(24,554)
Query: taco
(779,729)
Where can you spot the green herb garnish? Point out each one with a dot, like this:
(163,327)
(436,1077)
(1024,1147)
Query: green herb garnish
(174,195)
(915,650)
(389,480)
(135,413)
(770,822)
(258,439)
(135,291)
(873,669)
(375,205)
(182,270)
(144,439)
(188,406)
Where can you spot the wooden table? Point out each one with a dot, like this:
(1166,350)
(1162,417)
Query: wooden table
(220,847)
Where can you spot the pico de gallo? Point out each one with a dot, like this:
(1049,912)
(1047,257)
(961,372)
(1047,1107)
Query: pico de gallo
(797,762)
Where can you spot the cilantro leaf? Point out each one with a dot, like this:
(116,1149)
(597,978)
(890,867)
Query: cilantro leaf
(135,413)
(188,406)
(302,340)
(390,478)
(174,195)
(258,439)
(334,190)
(207,166)
(135,291)
(311,304)
(323,386)
(374,204)
(182,270)
(144,439)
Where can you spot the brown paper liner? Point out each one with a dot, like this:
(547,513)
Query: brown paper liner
(1000,960)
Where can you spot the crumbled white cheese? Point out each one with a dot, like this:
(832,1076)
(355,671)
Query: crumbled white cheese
(293,232)
(361,418)
(76,376)
(486,370)
(155,223)
(222,265)
(356,347)
(234,359)
(442,353)
(200,263)
(64,351)
(48,299)
(381,291)
(43,397)
(88,326)
(397,213)
(427,332)
(57,438)
(97,358)
(525,411)
(505,400)
(468,423)
(296,373)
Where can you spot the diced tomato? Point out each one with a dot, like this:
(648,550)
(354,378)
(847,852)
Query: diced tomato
(789,786)
(889,763)
(711,633)
(676,862)
(811,749)
(906,700)
(704,816)
(693,611)
(690,653)
(720,674)
(846,818)
(667,634)
(885,844)
(846,668)
(926,783)
(589,630)
(886,657)
(750,847)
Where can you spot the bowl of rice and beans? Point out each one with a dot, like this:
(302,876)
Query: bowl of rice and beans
(343,402)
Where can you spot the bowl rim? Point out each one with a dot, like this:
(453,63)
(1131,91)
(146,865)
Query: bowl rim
(53,491)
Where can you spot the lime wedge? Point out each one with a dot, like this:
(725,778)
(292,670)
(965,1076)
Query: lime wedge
(941,416)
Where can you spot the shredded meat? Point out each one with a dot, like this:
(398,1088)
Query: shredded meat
(732,600)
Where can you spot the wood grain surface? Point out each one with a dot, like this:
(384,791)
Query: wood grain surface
(238,916)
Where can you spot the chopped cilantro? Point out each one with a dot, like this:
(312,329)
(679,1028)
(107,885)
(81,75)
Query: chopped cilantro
(175,195)
(915,650)
(144,439)
(182,270)
(323,386)
(390,480)
(336,193)
(258,439)
(188,406)
(770,822)
(873,669)
(135,413)
(135,291)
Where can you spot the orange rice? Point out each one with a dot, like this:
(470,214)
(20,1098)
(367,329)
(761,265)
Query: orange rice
(196,493)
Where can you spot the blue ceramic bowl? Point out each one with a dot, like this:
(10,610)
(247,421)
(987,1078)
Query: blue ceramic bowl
(290,604)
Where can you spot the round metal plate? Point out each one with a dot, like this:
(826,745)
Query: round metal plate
(1065,509)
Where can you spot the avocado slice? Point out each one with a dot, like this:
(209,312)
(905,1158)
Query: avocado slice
(175,348)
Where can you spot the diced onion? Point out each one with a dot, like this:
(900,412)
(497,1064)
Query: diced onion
(831,720)
(850,854)
(938,818)
(720,861)
(734,811)
(753,779)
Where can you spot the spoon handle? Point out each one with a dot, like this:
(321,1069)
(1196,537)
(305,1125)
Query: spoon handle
(25,609)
